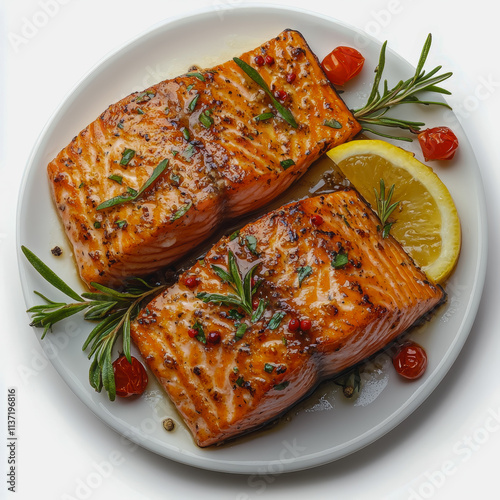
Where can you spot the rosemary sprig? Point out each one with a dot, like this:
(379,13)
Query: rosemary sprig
(114,310)
(384,207)
(285,113)
(404,92)
(132,194)
(242,287)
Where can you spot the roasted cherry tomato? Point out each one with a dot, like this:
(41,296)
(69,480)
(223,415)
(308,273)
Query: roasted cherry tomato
(342,64)
(438,143)
(410,361)
(131,379)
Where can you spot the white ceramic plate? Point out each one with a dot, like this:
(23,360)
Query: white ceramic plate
(325,427)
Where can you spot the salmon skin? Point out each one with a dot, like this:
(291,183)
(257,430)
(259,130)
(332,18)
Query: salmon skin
(223,148)
(321,260)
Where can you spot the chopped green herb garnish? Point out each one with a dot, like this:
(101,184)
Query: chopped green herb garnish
(205,119)
(268,367)
(234,314)
(193,102)
(260,310)
(263,117)
(116,178)
(197,75)
(287,163)
(282,386)
(201,333)
(82,184)
(186,134)
(127,155)
(132,193)
(251,242)
(236,369)
(189,87)
(276,320)
(120,124)
(303,273)
(255,76)
(332,124)
(121,223)
(240,380)
(144,96)
(241,331)
(339,260)
(234,235)
(188,152)
(140,111)
(181,211)
(174,152)
(97,224)
(175,179)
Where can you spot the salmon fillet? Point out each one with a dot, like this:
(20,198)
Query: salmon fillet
(217,160)
(321,260)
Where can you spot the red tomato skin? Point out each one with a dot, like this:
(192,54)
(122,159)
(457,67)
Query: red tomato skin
(438,143)
(131,379)
(342,64)
(410,361)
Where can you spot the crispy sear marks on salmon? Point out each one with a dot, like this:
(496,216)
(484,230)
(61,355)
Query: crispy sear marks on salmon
(321,261)
(220,160)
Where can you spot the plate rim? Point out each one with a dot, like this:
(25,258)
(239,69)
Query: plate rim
(317,458)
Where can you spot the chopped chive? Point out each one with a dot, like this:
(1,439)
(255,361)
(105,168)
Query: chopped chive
(140,111)
(240,380)
(268,367)
(263,117)
(197,75)
(303,273)
(97,224)
(251,242)
(332,124)
(276,320)
(144,96)
(286,163)
(241,331)
(234,235)
(127,155)
(181,211)
(189,87)
(121,223)
(116,178)
(188,152)
(193,102)
(339,260)
(120,124)
(186,134)
(206,120)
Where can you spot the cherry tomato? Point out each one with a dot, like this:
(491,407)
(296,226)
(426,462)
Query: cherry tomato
(342,64)
(438,143)
(131,379)
(410,361)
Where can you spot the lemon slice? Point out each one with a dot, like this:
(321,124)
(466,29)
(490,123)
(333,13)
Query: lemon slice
(426,221)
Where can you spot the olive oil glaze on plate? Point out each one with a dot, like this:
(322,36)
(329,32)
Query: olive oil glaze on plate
(308,435)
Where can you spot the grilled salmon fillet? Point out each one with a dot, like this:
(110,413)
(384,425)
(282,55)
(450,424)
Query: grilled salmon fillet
(321,261)
(217,159)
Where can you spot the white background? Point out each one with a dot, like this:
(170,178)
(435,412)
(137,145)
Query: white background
(448,448)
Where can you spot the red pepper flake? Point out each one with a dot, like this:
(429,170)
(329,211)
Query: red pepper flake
(259,60)
(290,77)
(191,281)
(293,325)
(317,220)
(213,338)
(305,325)
(269,60)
